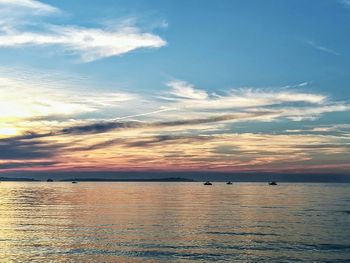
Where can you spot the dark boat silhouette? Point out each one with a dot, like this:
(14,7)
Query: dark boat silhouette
(208,183)
(49,180)
(229,182)
(74,182)
(273,183)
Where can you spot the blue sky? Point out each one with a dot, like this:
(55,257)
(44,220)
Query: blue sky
(216,45)
(282,66)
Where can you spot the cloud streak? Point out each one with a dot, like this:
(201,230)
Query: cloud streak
(102,127)
(183,89)
(25,164)
(186,95)
(322,48)
(25,148)
(292,104)
(29,5)
(44,97)
(346,3)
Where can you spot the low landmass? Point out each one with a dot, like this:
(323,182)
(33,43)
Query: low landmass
(172,179)
(6,179)
(147,176)
(175,179)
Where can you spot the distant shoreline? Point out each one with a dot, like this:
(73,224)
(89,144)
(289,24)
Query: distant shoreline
(6,179)
(150,180)
(129,180)
(157,176)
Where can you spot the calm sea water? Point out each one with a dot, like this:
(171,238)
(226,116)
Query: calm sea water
(174,222)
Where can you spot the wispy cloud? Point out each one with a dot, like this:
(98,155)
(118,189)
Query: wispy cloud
(299,85)
(29,98)
(23,149)
(281,103)
(25,164)
(185,93)
(89,43)
(102,127)
(32,5)
(322,48)
(345,3)
(183,89)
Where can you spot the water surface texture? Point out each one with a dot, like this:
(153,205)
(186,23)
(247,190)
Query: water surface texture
(174,222)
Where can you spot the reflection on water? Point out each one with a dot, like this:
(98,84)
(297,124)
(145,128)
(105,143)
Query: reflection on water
(179,222)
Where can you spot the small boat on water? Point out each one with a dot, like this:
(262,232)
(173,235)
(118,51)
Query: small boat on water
(229,182)
(208,183)
(272,183)
(49,180)
(74,182)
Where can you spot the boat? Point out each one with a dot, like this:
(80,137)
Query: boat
(229,182)
(272,183)
(49,180)
(74,182)
(208,183)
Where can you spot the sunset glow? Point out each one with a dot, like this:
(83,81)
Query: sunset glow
(76,97)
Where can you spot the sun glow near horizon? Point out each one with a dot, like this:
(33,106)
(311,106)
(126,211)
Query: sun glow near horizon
(8,131)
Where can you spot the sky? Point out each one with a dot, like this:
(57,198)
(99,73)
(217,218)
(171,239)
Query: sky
(195,85)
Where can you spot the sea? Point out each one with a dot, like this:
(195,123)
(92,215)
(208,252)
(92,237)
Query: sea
(174,222)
